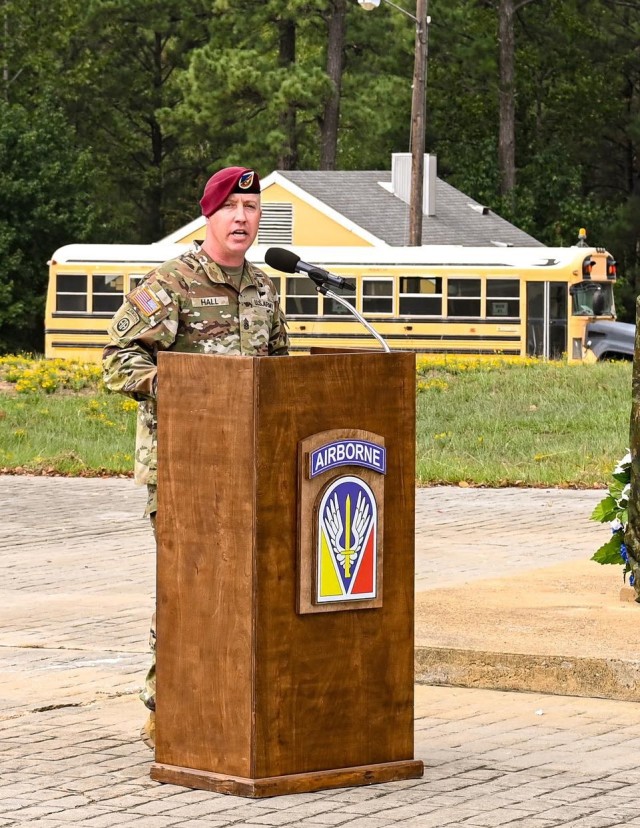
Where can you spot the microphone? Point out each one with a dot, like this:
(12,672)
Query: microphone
(286,260)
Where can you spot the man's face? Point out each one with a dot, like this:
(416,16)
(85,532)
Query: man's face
(232,229)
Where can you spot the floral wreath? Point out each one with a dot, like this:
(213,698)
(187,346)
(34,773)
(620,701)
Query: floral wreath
(614,509)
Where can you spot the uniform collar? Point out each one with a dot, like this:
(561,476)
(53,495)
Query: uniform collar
(215,273)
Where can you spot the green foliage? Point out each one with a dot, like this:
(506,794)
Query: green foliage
(43,183)
(462,96)
(622,229)
(66,434)
(130,52)
(49,375)
(242,95)
(483,422)
(521,424)
(565,113)
(614,509)
(609,552)
(114,112)
(605,510)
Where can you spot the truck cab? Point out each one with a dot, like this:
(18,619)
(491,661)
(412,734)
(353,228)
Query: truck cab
(608,339)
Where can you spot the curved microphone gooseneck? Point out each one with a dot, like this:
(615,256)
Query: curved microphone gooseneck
(288,262)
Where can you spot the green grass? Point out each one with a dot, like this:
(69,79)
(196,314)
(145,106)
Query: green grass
(490,424)
(70,433)
(530,425)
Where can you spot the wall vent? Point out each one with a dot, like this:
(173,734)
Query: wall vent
(276,224)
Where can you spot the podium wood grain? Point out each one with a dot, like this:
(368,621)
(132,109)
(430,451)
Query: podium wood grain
(248,688)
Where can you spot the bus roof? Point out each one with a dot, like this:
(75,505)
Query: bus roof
(151,254)
(436,255)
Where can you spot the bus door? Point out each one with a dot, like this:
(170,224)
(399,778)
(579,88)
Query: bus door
(547,319)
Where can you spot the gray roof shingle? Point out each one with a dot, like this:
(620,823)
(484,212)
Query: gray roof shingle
(358,196)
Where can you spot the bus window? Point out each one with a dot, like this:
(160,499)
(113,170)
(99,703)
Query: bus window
(302,299)
(377,296)
(515,301)
(420,296)
(136,279)
(276,284)
(463,297)
(333,308)
(107,292)
(71,292)
(592,299)
(503,298)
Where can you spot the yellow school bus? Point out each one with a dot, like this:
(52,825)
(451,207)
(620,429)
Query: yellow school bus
(438,299)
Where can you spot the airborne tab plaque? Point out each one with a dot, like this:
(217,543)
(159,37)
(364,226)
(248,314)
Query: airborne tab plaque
(340,520)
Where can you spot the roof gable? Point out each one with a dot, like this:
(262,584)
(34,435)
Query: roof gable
(358,207)
(365,199)
(278,183)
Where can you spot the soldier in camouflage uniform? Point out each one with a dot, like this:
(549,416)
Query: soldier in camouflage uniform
(210,300)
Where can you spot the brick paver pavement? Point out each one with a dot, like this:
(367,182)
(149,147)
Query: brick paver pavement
(467,534)
(76,590)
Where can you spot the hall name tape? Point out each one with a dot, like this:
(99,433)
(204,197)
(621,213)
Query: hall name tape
(348,453)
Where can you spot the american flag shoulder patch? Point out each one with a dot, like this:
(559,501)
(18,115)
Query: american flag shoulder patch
(145,300)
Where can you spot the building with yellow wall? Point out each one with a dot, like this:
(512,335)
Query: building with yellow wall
(368,208)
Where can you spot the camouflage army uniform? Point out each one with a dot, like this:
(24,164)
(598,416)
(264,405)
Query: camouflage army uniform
(188,304)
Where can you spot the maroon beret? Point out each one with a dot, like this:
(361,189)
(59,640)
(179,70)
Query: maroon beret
(223,183)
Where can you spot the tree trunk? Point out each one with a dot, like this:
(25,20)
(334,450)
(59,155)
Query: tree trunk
(632,535)
(331,115)
(156,191)
(506,138)
(5,60)
(288,157)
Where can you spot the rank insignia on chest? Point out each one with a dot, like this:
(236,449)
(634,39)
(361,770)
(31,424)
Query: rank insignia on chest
(341,486)
(145,300)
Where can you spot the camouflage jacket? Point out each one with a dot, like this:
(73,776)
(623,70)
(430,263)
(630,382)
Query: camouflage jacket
(187,304)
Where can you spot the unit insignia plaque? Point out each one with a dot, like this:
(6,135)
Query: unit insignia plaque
(340,520)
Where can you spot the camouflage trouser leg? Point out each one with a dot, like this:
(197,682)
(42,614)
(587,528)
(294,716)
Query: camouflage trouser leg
(148,695)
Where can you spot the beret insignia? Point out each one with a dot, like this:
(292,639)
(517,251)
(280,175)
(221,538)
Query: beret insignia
(246,180)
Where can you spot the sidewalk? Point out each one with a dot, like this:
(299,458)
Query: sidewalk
(75,601)
(508,598)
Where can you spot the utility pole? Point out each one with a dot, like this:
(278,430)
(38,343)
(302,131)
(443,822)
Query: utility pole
(418,124)
(418,105)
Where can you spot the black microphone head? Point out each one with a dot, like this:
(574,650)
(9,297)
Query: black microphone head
(280,259)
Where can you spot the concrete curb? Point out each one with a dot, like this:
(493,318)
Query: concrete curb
(559,675)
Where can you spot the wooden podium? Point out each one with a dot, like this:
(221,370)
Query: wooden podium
(263,690)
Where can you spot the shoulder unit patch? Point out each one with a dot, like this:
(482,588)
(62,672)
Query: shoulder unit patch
(128,320)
